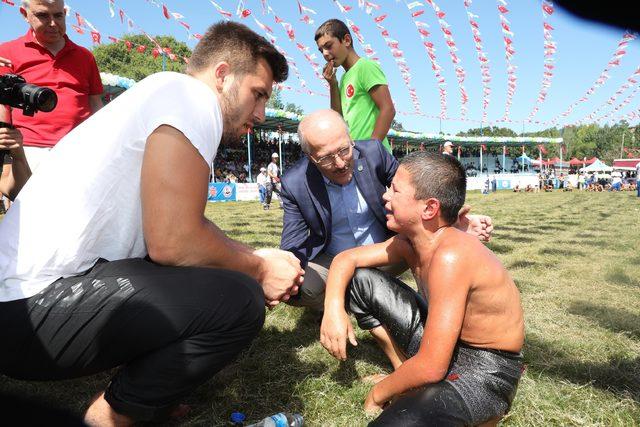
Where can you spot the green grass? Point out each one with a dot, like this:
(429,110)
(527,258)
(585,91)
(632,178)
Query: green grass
(576,260)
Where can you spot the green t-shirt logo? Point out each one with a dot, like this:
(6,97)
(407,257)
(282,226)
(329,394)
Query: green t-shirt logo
(350,91)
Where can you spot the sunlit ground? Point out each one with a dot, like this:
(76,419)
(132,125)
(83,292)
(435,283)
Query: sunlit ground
(574,256)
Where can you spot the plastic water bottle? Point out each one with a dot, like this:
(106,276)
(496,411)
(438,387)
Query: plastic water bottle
(237,419)
(281,419)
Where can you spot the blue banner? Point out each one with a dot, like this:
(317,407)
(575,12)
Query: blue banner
(503,184)
(222,192)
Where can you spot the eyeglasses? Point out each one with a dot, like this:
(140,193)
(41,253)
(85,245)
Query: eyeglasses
(330,159)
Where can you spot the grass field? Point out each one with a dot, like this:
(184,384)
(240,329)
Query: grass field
(576,260)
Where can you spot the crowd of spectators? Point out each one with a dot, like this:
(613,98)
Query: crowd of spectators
(231,163)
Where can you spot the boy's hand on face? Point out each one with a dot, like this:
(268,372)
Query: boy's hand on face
(329,72)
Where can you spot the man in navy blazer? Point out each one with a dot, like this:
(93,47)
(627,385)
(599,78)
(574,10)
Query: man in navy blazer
(332,200)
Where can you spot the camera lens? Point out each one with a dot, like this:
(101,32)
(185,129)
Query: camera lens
(44,99)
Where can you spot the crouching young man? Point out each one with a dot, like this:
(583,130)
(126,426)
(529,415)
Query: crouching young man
(455,345)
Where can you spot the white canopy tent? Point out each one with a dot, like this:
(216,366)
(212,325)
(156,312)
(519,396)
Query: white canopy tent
(597,166)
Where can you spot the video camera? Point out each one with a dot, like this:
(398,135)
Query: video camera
(17,93)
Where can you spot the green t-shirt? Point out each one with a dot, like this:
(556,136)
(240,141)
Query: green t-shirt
(358,108)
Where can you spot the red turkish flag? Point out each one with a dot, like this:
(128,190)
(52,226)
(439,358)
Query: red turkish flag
(78,29)
(484,147)
(155,52)
(165,12)
(95,36)
(128,44)
(380,18)
(547,8)
(246,12)
(441,14)
(417,13)
(542,149)
(502,9)
(121,13)
(141,48)
(10,3)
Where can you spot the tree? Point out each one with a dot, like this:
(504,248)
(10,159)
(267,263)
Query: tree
(116,58)
(276,102)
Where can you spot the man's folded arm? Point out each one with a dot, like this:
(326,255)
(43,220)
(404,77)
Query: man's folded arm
(178,233)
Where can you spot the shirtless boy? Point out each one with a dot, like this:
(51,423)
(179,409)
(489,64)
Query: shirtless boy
(461,363)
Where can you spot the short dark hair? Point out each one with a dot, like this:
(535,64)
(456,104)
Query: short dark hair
(334,28)
(438,176)
(240,47)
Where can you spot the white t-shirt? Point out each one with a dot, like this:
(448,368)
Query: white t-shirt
(272,170)
(262,179)
(84,202)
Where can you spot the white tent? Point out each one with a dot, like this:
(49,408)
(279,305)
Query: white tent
(597,166)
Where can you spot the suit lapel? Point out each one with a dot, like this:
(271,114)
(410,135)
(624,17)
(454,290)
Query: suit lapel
(365,181)
(319,196)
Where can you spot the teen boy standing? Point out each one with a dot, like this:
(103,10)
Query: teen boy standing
(362,96)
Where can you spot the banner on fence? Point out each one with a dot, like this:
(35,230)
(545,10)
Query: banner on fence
(222,192)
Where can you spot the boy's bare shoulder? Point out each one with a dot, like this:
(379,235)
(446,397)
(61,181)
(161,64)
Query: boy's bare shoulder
(457,243)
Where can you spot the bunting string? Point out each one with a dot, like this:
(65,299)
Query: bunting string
(290,60)
(396,52)
(482,58)
(610,115)
(367,49)
(631,81)
(614,62)
(455,59)
(421,27)
(549,52)
(509,52)
(304,49)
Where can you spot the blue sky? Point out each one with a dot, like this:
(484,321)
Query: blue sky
(583,51)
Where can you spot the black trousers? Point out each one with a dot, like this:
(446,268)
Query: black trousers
(480,384)
(168,328)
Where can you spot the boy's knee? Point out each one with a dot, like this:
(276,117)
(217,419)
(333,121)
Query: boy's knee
(362,283)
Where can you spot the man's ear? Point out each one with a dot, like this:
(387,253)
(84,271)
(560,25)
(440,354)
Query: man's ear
(221,72)
(23,12)
(430,209)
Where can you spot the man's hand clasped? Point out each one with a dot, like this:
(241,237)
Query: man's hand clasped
(480,226)
(281,275)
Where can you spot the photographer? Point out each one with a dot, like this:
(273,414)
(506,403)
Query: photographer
(46,56)
(13,163)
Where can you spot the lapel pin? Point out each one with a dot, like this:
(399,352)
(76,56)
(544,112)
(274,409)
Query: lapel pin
(360,168)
